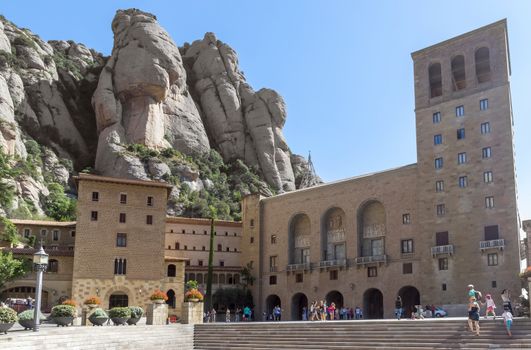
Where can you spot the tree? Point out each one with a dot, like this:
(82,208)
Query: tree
(57,205)
(247,276)
(10,233)
(11,268)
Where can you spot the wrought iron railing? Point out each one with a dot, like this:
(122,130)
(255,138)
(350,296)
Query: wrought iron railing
(442,249)
(494,243)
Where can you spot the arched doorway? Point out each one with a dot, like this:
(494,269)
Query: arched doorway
(272,301)
(373,304)
(171,298)
(410,297)
(298,302)
(336,298)
(118,300)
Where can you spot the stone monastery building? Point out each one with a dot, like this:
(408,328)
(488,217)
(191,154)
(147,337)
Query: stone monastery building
(423,231)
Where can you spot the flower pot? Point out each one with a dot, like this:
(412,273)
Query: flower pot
(63,321)
(158,301)
(27,324)
(92,306)
(98,321)
(133,321)
(193,300)
(4,327)
(118,321)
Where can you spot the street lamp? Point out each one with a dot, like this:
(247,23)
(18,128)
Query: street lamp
(40,262)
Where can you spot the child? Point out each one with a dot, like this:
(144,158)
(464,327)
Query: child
(508,320)
(490,307)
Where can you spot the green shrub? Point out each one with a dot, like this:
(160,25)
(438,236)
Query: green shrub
(136,311)
(120,312)
(29,314)
(63,311)
(99,313)
(58,205)
(8,315)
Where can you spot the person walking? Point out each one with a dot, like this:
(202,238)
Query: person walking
(213,315)
(473,315)
(227,315)
(506,297)
(304,313)
(489,311)
(398,307)
(508,320)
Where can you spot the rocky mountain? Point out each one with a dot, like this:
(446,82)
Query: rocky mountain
(152,110)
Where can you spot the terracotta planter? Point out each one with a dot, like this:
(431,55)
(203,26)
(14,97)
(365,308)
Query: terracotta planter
(193,300)
(4,327)
(98,321)
(27,324)
(133,321)
(118,321)
(63,321)
(158,301)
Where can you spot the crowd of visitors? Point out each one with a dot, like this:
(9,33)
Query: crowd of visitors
(240,315)
(475,301)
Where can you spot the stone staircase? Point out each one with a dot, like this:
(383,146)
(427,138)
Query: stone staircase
(179,337)
(382,334)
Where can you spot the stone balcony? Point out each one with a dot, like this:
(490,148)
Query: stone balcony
(442,249)
(372,259)
(299,267)
(492,244)
(333,263)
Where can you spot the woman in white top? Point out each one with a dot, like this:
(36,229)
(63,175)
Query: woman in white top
(506,297)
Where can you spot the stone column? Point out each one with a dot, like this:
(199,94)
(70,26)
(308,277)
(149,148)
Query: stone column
(192,312)
(157,314)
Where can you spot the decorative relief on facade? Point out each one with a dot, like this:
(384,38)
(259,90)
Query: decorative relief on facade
(374,230)
(335,236)
(302,241)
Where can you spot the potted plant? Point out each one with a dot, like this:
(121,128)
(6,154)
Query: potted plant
(8,317)
(136,314)
(25,318)
(63,315)
(119,315)
(158,297)
(98,317)
(69,302)
(92,302)
(193,295)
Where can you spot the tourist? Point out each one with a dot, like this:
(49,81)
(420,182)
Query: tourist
(237,314)
(473,315)
(490,307)
(304,313)
(506,297)
(206,317)
(359,313)
(213,315)
(351,314)
(313,311)
(508,320)
(331,311)
(398,307)
(264,316)
(227,315)
(277,313)
(474,293)
(323,309)
(247,313)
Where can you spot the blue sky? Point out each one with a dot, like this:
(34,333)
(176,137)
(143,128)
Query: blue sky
(343,67)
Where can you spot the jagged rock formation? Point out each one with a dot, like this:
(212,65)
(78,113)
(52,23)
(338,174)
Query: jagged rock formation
(126,115)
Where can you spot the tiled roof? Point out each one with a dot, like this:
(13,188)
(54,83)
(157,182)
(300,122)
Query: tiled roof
(43,223)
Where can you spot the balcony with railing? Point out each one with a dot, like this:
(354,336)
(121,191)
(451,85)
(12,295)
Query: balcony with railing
(333,263)
(273,269)
(299,267)
(372,259)
(492,244)
(442,249)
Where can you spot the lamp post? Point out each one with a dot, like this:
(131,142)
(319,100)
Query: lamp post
(40,262)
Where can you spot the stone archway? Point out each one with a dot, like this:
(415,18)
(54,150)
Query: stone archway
(171,298)
(336,298)
(272,301)
(410,297)
(299,301)
(118,290)
(373,304)
(118,299)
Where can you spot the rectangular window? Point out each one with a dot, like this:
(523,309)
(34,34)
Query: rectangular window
(55,236)
(149,201)
(27,232)
(149,219)
(43,233)
(438,163)
(459,111)
(94,216)
(489,202)
(494,284)
(407,246)
(492,259)
(437,139)
(461,158)
(200,262)
(486,153)
(441,238)
(123,198)
(443,264)
(406,219)
(485,128)
(407,268)
(487,177)
(187,263)
(185,247)
(95,196)
(273,239)
(436,117)
(333,275)
(372,271)
(72,233)
(491,232)
(441,209)
(444,286)
(251,223)
(273,263)
(177,246)
(120,266)
(299,278)
(461,133)
(219,247)
(272,280)
(463,181)
(122,218)
(203,248)
(439,186)
(121,239)
(484,104)
(221,263)
(251,240)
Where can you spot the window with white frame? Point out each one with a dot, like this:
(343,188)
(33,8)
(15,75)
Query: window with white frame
(487,177)
(485,128)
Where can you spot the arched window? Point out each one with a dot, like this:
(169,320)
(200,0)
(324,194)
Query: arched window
(434,72)
(171,270)
(229,279)
(458,73)
(482,58)
(120,266)
(191,277)
(53,265)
